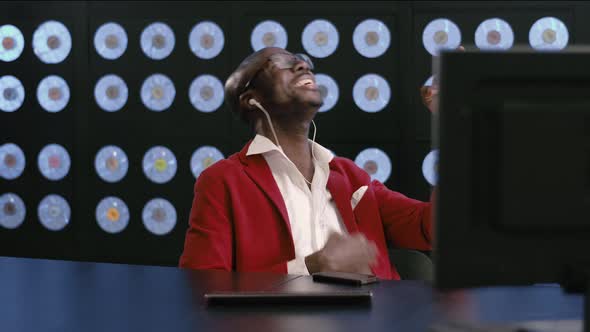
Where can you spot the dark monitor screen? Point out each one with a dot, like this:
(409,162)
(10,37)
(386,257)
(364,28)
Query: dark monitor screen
(513,132)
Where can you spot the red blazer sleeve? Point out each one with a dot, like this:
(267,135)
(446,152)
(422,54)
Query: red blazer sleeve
(407,222)
(208,242)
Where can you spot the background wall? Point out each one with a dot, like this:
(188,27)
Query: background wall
(401,129)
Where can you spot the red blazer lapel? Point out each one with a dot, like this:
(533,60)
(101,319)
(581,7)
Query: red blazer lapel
(257,169)
(337,187)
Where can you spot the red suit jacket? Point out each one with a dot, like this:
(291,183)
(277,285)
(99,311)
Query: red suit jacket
(239,221)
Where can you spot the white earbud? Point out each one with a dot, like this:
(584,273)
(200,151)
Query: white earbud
(253,102)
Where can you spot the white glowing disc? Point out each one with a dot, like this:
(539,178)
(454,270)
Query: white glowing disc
(429,81)
(53,93)
(12,43)
(206,40)
(157,41)
(371,38)
(375,162)
(12,161)
(111,163)
(328,90)
(52,42)
(441,34)
(320,38)
(371,93)
(204,157)
(111,93)
(54,162)
(494,34)
(159,164)
(206,93)
(110,41)
(12,211)
(268,34)
(54,212)
(157,92)
(112,215)
(12,93)
(159,216)
(548,33)
(430,167)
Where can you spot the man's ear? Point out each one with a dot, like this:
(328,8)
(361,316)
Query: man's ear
(244,100)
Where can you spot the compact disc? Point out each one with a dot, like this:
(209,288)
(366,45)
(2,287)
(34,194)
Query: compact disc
(328,90)
(375,162)
(268,34)
(441,34)
(159,216)
(110,41)
(12,93)
(12,43)
(548,33)
(12,211)
(320,38)
(159,164)
(112,214)
(12,161)
(204,157)
(371,93)
(157,92)
(429,81)
(494,34)
(430,167)
(54,162)
(110,93)
(52,42)
(206,93)
(157,41)
(111,163)
(54,212)
(206,40)
(371,38)
(53,93)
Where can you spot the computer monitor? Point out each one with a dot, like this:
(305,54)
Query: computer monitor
(513,132)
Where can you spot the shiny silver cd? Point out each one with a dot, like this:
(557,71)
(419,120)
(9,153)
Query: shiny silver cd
(159,164)
(157,92)
(204,157)
(371,93)
(111,93)
(268,34)
(53,93)
(206,93)
(12,43)
(110,41)
(159,216)
(328,90)
(12,211)
(54,162)
(441,34)
(371,38)
(375,162)
(111,163)
(320,38)
(429,81)
(548,33)
(12,161)
(206,40)
(494,34)
(12,93)
(430,167)
(52,42)
(54,212)
(157,41)
(112,215)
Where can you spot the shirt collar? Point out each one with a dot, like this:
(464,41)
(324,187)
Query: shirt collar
(261,144)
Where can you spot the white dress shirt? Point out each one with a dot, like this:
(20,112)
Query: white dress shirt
(312,213)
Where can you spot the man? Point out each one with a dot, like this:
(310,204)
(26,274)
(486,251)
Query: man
(285,203)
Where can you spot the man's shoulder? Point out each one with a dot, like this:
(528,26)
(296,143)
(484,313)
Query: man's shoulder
(349,169)
(222,169)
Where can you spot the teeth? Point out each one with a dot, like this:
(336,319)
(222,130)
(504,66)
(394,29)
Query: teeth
(304,82)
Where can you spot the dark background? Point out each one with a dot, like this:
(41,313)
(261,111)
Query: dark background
(402,129)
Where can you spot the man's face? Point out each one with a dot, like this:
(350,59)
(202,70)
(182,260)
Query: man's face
(286,81)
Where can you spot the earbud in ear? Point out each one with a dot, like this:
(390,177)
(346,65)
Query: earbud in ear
(252,102)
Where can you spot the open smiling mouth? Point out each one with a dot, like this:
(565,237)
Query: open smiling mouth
(308,83)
